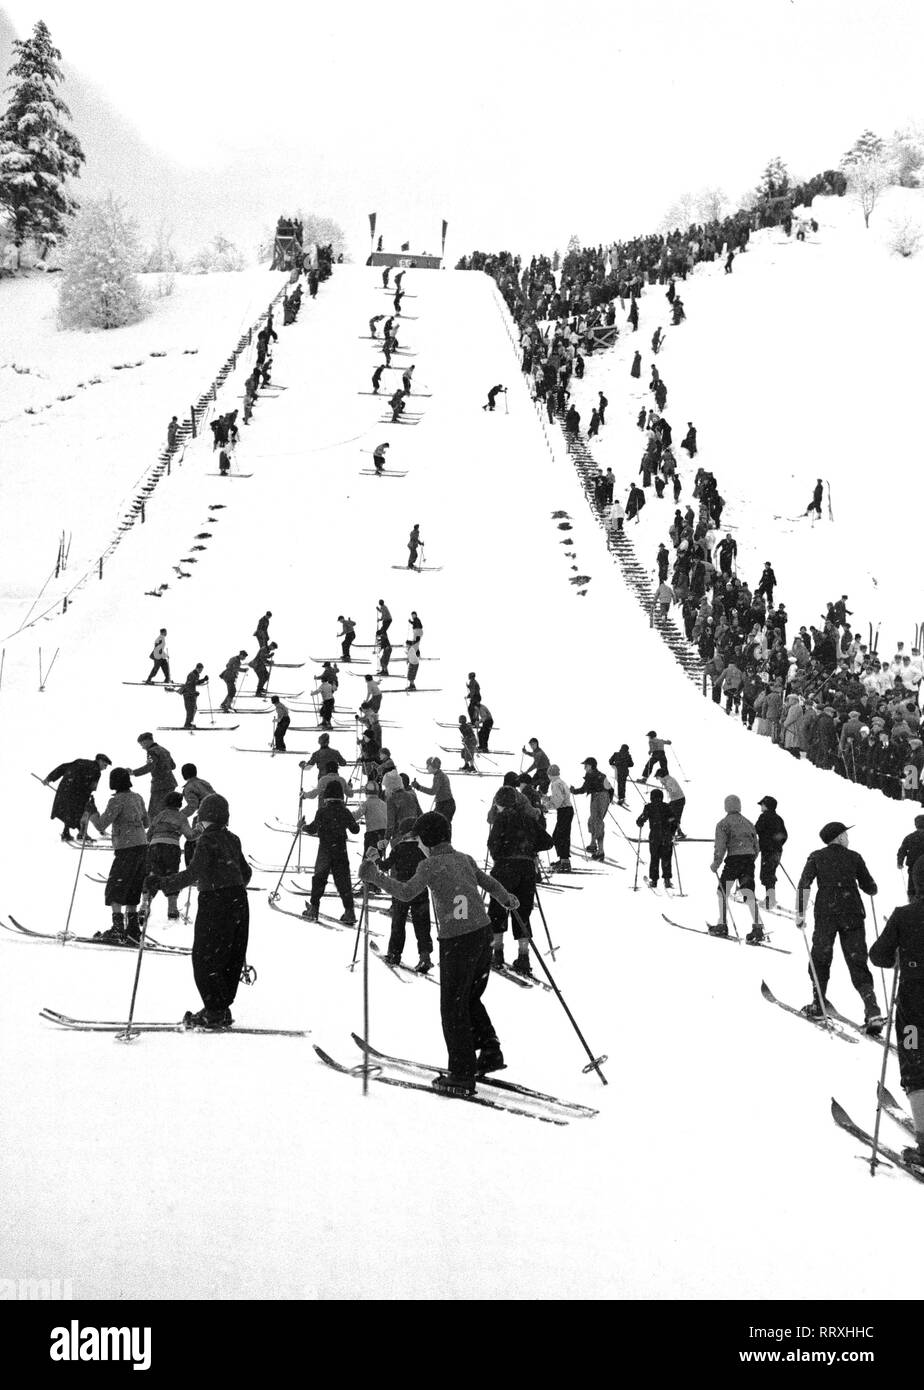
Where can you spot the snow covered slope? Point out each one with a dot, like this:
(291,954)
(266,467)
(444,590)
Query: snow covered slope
(261,1174)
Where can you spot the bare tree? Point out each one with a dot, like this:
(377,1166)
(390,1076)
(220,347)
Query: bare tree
(867,176)
(711,204)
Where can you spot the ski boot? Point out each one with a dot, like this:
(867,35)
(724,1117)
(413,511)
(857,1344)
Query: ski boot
(873,1020)
(813,1010)
(214,1019)
(348,918)
(392,958)
(770,899)
(424,965)
(133,929)
(66,835)
(914,1155)
(563,866)
(310,912)
(450,1084)
(717,929)
(756,935)
(497,958)
(115,936)
(624,804)
(521,966)
(490,1058)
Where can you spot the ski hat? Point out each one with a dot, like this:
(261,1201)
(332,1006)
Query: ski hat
(554,770)
(332,792)
(505,796)
(769,801)
(101,758)
(828,833)
(510,779)
(433,829)
(589,762)
(173,800)
(215,809)
(656,795)
(119,780)
(652,733)
(733,805)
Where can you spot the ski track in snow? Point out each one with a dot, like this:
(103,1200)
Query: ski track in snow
(699,1176)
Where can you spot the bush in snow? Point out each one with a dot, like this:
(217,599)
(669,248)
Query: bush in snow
(220,254)
(98,286)
(867,176)
(37,151)
(905,237)
(160,255)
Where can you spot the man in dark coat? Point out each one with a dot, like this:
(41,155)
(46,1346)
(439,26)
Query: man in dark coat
(73,798)
(771,836)
(516,838)
(839,912)
(901,945)
(661,827)
(910,851)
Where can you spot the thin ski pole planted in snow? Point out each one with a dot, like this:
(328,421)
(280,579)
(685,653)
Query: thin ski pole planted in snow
(128,1035)
(814,974)
(301,795)
(208,694)
(298,830)
(595,1063)
(638,858)
(83,844)
(364,917)
(872,904)
(681,894)
(880,1089)
(552,949)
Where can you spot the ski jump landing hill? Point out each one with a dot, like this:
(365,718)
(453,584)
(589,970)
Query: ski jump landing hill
(241,1167)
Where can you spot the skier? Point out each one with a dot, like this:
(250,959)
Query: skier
(901,947)
(324,691)
(473,696)
(173,430)
(413,545)
(594,426)
(331,825)
(620,763)
(261,666)
(221,874)
(559,801)
(384,649)
(469,745)
(407,379)
(373,697)
(464,933)
(598,788)
(656,340)
(817,494)
(515,839)
(195,790)
(839,912)
(440,789)
(636,368)
(660,824)
(159,767)
(656,754)
(345,636)
(493,395)
(538,770)
(403,861)
(397,406)
(689,440)
(676,799)
(164,833)
(485,723)
(230,677)
(376,318)
(601,408)
(281,721)
(736,844)
(771,836)
(126,814)
(378,457)
(385,274)
(160,658)
(224,464)
(909,852)
(383,618)
(377,378)
(262,629)
(412,649)
(74,798)
(190,693)
(324,758)
(373,813)
(416,626)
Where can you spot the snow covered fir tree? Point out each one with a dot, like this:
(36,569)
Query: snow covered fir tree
(38,152)
(615,495)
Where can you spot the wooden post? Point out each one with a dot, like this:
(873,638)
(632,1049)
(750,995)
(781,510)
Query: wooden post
(142,513)
(192,420)
(101,567)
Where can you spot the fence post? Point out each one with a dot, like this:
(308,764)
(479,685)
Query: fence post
(192,420)
(101,567)
(142,513)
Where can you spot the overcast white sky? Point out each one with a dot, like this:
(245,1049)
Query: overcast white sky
(518,120)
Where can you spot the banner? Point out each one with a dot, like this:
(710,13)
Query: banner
(445,227)
(371,224)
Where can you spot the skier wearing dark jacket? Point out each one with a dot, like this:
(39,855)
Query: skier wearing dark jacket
(620,763)
(331,824)
(910,851)
(771,836)
(660,824)
(840,873)
(221,874)
(73,798)
(515,839)
(901,946)
(402,863)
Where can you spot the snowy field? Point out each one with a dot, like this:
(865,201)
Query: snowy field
(233,1167)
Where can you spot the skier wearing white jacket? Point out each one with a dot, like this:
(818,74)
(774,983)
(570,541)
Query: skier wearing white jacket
(559,800)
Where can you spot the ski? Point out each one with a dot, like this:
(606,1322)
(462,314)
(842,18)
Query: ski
(229,475)
(283,695)
(385,473)
(421,1086)
(87,845)
(610,863)
(761,945)
(482,752)
(279,868)
(874,1035)
(514,1087)
(89,1025)
(830,1027)
(454,771)
(73,938)
(287,665)
(341,660)
(329,925)
(276,752)
(524,981)
(155,685)
(197,728)
(419,569)
(418,690)
(843,1121)
(401,970)
(441,724)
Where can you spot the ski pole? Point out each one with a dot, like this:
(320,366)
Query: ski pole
(188,901)
(208,696)
(872,904)
(814,974)
(638,860)
(681,894)
(728,912)
(595,1063)
(881,1087)
(552,949)
(364,918)
(577,822)
(680,765)
(301,793)
(83,844)
(298,830)
(128,1035)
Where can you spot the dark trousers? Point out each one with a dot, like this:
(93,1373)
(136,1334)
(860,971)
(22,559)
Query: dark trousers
(160,666)
(326,712)
(769,863)
(621,778)
(484,733)
(262,674)
(332,861)
(662,853)
(279,734)
(519,877)
(853,945)
(445,808)
(465,967)
(190,701)
(228,701)
(657,759)
(677,809)
(345,646)
(909,1015)
(419,909)
(220,944)
(561,835)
